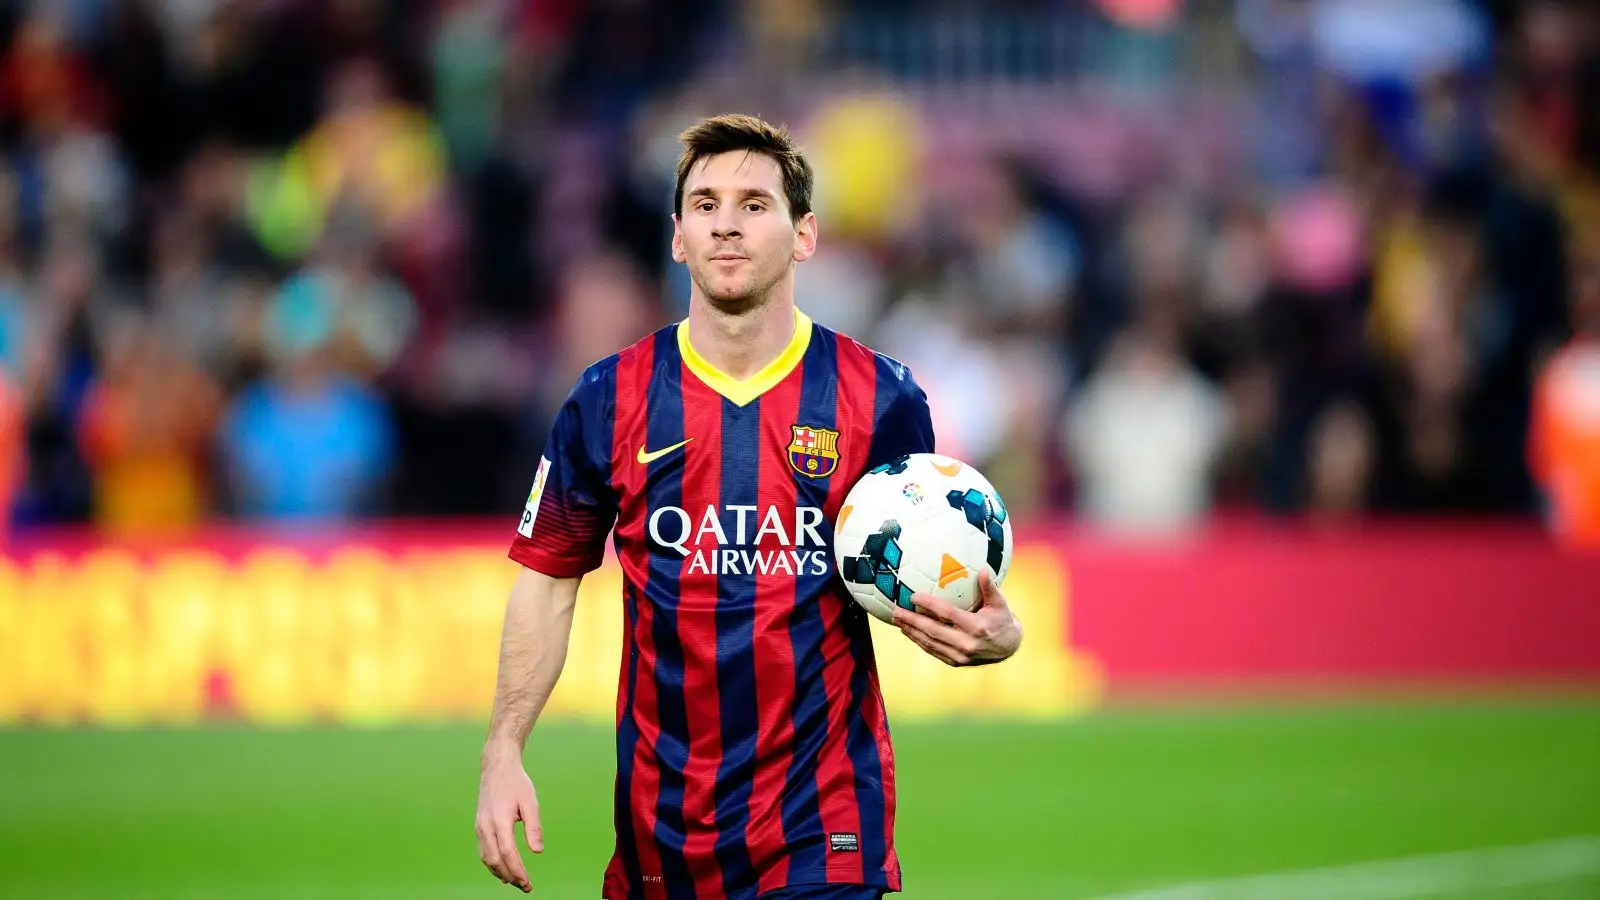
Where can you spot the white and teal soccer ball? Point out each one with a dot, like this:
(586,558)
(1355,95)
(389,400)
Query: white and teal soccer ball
(921,524)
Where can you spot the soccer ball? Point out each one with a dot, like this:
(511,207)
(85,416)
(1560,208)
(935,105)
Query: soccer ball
(921,524)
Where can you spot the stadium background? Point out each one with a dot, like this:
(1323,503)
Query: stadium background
(1252,309)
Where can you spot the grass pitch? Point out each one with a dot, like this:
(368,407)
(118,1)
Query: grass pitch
(1111,803)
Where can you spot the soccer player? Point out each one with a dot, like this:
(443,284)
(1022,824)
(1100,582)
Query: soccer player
(753,753)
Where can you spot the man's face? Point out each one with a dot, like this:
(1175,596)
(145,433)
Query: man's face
(734,231)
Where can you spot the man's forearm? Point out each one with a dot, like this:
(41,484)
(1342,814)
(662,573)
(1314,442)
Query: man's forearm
(533,648)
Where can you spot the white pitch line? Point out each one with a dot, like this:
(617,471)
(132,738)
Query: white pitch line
(1405,878)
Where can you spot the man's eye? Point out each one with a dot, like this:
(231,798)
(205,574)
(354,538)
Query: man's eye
(705,206)
(754,207)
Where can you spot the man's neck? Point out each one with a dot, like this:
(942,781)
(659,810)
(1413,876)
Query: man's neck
(740,345)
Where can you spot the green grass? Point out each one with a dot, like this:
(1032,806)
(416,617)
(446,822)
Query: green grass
(1108,803)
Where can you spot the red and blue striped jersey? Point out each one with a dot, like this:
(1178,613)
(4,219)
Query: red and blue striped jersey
(752,745)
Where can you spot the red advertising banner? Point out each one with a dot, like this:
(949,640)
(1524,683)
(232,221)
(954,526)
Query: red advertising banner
(1465,603)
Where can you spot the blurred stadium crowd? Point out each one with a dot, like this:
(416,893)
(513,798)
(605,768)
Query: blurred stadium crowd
(1150,258)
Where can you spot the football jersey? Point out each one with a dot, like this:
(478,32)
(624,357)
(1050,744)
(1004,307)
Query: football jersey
(752,745)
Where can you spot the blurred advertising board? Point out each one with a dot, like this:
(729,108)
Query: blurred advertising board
(382,627)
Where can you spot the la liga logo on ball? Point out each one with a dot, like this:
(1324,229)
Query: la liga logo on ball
(813,451)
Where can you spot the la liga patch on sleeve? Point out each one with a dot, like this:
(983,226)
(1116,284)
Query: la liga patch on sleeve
(530,510)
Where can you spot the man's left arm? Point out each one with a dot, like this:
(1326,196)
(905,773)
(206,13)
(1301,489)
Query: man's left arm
(990,632)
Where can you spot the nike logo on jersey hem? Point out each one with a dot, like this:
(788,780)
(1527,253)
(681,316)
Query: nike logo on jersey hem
(647,457)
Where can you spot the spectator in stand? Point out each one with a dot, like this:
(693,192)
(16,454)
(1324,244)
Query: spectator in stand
(146,430)
(13,448)
(1564,445)
(315,439)
(345,299)
(307,443)
(1144,436)
(44,82)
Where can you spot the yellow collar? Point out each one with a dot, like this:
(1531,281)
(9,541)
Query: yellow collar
(742,392)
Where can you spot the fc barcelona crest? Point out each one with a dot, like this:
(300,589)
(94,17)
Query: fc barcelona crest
(814,452)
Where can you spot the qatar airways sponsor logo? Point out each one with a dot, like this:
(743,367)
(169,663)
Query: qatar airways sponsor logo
(744,540)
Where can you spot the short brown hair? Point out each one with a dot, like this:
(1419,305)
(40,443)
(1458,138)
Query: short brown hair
(733,132)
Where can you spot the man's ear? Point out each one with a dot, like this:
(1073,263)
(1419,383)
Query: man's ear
(678,253)
(805,237)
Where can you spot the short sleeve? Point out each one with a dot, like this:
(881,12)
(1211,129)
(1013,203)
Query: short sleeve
(570,508)
(905,425)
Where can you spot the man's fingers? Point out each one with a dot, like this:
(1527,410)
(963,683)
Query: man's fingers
(937,649)
(944,654)
(936,631)
(505,797)
(530,826)
(510,860)
(942,610)
(989,592)
(489,851)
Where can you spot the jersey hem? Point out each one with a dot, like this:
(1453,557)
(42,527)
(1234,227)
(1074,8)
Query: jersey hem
(889,884)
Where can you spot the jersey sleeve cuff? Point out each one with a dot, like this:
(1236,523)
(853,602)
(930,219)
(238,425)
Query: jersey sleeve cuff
(555,565)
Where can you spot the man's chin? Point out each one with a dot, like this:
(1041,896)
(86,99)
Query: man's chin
(733,299)
(735,295)
(735,306)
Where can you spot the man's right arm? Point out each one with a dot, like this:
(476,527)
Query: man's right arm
(570,509)
(533,649)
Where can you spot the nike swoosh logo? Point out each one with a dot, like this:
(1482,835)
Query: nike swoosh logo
(647,457)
